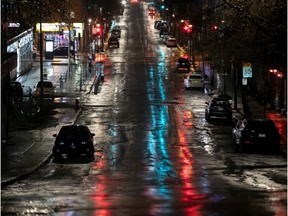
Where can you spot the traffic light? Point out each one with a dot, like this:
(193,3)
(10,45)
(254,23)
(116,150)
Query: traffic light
(162,7)
(97,30)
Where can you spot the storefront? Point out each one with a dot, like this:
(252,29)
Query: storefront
(23,46)
(59,34)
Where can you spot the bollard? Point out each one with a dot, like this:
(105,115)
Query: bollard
(76,104)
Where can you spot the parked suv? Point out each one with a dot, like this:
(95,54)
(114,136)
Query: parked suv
(261,134)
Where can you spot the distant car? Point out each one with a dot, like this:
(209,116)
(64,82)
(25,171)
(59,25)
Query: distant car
(261,134)
(113,41)
(116,32)
(194,80)
(117,27)
(171,42)
(151,12)
(218,107)
(156,23)
(166,37)
(15,89)
(73,140)
(182,64)
(48,89)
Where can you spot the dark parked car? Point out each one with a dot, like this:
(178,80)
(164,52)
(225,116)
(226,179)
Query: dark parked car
(182,64)
(261,134)
(74,140)
(60,52)
(218,107)
(16,89)
(116,32)
(113,41)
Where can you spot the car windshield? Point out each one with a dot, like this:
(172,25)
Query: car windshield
(113,39)
(183,60)
(45,84)
(74,131)
(266,125)
(15,84)
(219,103)
(195,77)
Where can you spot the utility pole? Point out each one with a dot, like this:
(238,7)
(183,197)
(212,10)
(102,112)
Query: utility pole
(69,38)
(41,58)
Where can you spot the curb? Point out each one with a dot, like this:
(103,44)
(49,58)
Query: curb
(12,180)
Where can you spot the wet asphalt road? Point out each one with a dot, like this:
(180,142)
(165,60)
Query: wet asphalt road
(155,152)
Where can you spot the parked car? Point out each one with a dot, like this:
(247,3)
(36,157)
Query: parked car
(182,64)
(156,23)
(165,37)
(194,80)
(116,32)
(219,108)
(261,134)
(73,140)
(15,89)
(48,89)
(113,41)
(171,42)
(61,51)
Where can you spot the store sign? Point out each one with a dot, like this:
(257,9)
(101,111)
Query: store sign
(56,27)
(247,70)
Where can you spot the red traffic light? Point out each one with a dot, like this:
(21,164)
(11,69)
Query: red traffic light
(97,30)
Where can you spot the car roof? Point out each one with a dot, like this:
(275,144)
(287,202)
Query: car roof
(260,123)
(194,74)
(45,83)
(113,38)
(183,59)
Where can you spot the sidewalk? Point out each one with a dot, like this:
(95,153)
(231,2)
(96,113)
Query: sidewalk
(33,133)
(256,110)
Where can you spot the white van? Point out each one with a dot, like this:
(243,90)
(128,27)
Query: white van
(171,42)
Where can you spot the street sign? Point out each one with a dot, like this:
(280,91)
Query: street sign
(247,70)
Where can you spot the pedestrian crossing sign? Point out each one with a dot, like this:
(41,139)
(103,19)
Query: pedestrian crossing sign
(247,70)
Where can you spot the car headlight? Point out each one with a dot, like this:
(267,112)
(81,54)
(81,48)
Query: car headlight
(83,142)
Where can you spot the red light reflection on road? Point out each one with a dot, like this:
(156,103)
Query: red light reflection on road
(189,194)
(280,124)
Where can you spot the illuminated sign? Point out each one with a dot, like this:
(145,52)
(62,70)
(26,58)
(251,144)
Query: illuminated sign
(56,27)
(247,70)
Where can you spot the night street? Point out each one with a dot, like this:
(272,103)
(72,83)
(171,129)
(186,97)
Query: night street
(155,153)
